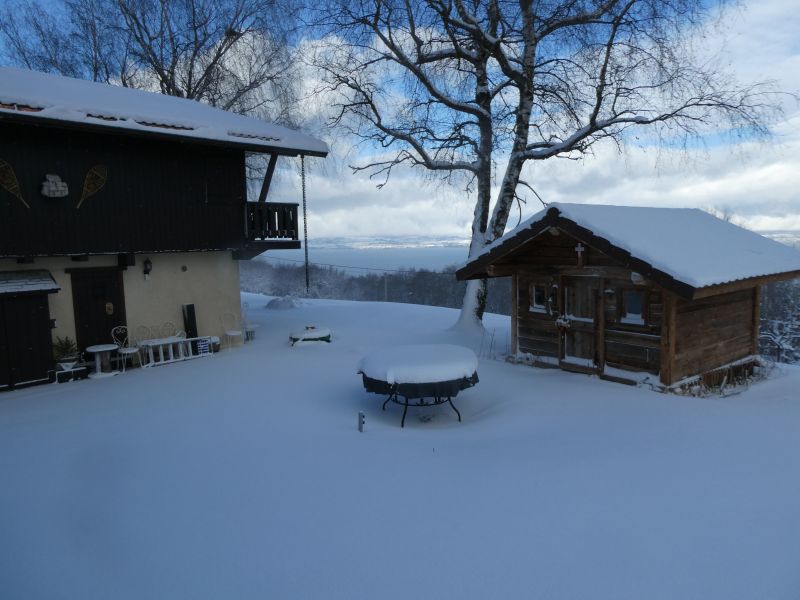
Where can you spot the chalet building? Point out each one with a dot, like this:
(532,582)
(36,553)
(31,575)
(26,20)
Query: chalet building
(616,290)
(119,207)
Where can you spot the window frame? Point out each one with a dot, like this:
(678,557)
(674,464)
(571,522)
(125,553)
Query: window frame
(541,309)
(622,314)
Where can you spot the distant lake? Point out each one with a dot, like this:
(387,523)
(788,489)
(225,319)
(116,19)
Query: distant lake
(433,258)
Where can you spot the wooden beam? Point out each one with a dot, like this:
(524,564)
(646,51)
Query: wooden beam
(600,326)
(262,197)
(501,270)
(514,315)
(668,327)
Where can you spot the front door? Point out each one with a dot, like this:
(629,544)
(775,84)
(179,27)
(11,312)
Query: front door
(26,353)
(99,303)
(579,302)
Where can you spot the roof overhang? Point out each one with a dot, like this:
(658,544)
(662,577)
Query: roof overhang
(495,262)
(100,128)
(20,283)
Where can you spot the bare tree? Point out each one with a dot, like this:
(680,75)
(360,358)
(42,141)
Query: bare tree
(478,88)
(228,53)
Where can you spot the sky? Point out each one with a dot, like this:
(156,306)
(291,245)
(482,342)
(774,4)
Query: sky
(755,183)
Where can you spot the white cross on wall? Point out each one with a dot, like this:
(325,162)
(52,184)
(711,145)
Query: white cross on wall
(579,249)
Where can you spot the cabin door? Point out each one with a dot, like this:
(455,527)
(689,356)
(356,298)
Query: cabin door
(26,353)
(578,322)
(99,303)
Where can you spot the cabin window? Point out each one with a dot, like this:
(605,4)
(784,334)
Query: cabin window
(538,298)
(633,305)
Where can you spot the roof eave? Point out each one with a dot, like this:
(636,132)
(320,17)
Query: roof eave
(480,267)
(140,133)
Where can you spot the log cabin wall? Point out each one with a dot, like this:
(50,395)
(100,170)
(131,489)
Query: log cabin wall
(550,275)
(712,332)
(156,195)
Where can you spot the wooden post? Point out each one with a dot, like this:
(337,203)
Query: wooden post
(514,315)
(668,328)
(756,318)
(600,326)
(561,311)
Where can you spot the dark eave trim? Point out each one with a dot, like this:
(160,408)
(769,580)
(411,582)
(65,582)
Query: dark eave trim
(157,135)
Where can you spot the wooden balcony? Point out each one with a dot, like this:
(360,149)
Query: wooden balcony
(271,221)
(269,225)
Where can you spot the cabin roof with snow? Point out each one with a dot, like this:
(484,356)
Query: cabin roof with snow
(683,250)
(39,97)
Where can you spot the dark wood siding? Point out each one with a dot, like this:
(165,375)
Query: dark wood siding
(25,346)
(537,333)
(713,332)
(158,195)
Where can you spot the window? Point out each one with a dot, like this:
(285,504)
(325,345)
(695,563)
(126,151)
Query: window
(632,307)
(538,293)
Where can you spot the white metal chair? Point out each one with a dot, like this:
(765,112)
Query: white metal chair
(143,332)
(126,351)
(232,328)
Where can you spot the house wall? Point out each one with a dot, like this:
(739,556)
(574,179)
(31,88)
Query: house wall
(552,261)
(157,195)
(712,332)
(210,281)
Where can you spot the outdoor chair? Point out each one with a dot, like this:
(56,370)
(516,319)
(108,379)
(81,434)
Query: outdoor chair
(143,332)
(232,328)
(126,350)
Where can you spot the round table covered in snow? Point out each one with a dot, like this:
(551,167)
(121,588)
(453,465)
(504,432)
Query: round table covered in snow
(436,372)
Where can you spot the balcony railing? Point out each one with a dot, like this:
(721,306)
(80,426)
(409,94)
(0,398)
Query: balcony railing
(271,221)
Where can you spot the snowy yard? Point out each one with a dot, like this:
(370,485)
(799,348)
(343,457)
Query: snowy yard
(244,476)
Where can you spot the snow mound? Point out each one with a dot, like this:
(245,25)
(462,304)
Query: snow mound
(419,363)
(284,303)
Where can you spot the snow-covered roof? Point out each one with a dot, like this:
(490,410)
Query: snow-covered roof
(32,95)
(23,282)
(689,245)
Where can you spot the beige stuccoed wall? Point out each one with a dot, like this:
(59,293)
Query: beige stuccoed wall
(210,282)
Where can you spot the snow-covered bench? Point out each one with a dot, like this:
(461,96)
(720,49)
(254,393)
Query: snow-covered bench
(434,371)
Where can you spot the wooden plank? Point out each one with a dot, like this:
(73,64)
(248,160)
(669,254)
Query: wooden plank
(633,338)
(711,357)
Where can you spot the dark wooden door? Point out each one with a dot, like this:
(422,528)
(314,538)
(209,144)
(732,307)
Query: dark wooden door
(579,310)
(26,353)
(99,303)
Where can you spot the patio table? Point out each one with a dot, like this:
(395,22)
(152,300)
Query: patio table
(102,360)
(431,373)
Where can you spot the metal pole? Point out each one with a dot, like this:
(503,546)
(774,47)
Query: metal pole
(305,221)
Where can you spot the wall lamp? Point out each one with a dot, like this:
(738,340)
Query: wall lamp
(147,266)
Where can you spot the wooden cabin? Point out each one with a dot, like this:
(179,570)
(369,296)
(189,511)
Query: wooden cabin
(120,207)
(625,291)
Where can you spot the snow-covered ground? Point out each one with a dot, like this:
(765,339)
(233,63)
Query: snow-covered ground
(244,476)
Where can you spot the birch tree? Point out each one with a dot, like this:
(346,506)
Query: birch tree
(476,89)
